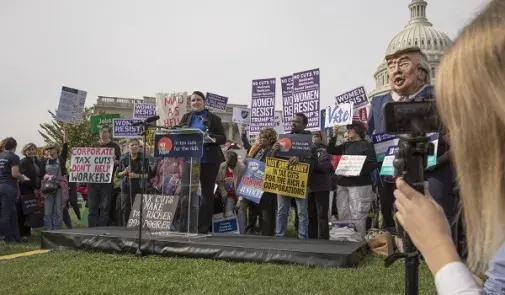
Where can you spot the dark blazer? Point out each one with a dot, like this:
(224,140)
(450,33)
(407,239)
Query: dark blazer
(214,153)
(26,168)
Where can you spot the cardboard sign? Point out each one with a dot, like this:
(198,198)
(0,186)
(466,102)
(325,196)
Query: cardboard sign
(157,214)
(350,165)
(283,179)
(92,165)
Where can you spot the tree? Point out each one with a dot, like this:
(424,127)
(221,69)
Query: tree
(79,135)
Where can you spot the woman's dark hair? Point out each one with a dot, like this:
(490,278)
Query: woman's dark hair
(199,93)
(10,143)
(109,128)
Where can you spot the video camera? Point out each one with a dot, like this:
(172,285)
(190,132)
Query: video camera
(411,121)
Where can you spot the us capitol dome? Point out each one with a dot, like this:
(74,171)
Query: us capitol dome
(418,32)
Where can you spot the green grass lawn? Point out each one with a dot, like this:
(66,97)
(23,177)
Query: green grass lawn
(81,272)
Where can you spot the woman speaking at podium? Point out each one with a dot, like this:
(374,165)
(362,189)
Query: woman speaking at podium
(201,118)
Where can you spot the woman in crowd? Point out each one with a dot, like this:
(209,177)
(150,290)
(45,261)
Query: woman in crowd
(132,180)
(9,177)
(471,75)
(31,167)
(228,179)
(354,193)
(268,203)
(320,185)
(201,118)
(54,186)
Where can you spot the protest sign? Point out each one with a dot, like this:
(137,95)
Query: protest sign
(360,114)
(157,213)
(144,110)
(71,105)
(187,144)
(92,165)
(286,180)
(306,96)
(216,101)
(123,128)
(278,124)
(350,165)
(381,143)
(241,115)
(287,101)
(250,186)
(262,105)
(227,225)
(99,120)
(171,107)
(356,96)
(339,115)
(295,145)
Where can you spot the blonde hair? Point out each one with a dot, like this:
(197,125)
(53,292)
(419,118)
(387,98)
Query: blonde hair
(27,147)
(470,96)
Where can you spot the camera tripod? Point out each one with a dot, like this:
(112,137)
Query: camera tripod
(410,162)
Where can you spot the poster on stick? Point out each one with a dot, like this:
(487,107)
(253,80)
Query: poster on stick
(123,128)
(241,115)
(339,115)
(71,105)
(157,214)
(262,105)
(287,101)
(356,96)
(99,120)
(306,97)
(215,101)
(171,107)
(286,180)
(144,110)
(92,165)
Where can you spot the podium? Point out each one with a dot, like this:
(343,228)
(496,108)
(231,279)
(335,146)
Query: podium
(175,210)
(185,145)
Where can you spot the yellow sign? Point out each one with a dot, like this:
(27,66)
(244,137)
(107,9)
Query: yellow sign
(150,137)
(285,180)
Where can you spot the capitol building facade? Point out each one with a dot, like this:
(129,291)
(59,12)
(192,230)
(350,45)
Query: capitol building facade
(418,32)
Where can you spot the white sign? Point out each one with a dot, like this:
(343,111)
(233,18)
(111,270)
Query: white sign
(92,165)
(71,105)
(171,107)
(278,122)
(350,165)
(339,115)
(241,115)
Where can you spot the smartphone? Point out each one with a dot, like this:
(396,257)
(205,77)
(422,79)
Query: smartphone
(411,117)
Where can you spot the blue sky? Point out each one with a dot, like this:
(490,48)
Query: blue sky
(131,48)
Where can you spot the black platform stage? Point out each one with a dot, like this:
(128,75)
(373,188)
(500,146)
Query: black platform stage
(225,247)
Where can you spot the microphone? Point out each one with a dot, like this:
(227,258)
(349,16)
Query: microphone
(146,121)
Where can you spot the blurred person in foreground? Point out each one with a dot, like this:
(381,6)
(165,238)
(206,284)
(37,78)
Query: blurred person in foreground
(472,71)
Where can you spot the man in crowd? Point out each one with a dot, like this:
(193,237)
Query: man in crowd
(409,78)
(299,124)
(100,194)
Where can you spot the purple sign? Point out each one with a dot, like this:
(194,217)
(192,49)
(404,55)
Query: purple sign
(143,110)
(287,101)
(123,128)
(262,105)
(356,96)
(216,101)
(306,97)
